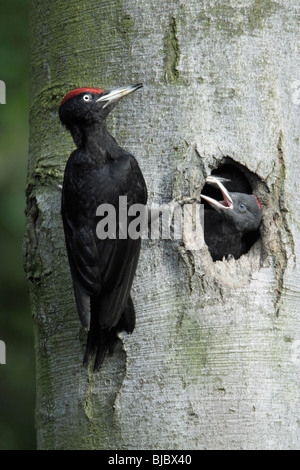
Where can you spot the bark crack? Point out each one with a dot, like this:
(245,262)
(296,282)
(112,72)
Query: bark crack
(281,255)
(172,53)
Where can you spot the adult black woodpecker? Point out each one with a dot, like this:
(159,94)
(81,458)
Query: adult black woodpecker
(231,219)
(96,173)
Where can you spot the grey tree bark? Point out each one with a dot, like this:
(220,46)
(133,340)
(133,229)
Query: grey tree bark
(214,360)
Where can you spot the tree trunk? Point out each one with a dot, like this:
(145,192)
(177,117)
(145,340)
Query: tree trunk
(214,359)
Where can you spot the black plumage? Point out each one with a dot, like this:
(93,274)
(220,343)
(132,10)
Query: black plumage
(99,172)
(229,222)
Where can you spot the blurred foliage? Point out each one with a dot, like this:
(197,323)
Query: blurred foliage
(17,377)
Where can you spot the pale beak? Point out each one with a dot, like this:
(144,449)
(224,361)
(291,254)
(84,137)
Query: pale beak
(227,203)
(115,94)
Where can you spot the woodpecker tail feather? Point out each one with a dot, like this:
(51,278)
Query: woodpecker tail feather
(103,341)
(127,320)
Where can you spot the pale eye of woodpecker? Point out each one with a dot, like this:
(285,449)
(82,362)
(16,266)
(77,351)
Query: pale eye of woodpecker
(86,97)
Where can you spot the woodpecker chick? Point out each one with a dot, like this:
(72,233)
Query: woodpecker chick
(98,172)
(233,217)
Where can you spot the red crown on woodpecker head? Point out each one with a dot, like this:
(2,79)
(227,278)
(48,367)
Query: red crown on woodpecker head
(258,203)
(81,90)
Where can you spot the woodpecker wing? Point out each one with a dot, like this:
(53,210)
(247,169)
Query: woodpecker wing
(102,269)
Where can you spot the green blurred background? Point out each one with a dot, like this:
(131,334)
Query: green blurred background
(17,377)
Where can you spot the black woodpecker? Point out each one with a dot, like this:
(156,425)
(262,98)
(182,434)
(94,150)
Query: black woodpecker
(99,172)
(232,219)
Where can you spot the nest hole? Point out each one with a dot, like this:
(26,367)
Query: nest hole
(222,243)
